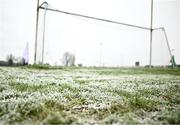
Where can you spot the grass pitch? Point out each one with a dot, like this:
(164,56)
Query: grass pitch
(46,95)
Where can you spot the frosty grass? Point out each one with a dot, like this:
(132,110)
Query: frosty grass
(89,96)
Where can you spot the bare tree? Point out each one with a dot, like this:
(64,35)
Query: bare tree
(10,59)
(68,59)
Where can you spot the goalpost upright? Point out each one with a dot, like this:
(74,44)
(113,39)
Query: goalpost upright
(36,35)
(151,35)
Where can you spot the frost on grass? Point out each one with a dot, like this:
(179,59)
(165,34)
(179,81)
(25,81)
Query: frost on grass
(88,96)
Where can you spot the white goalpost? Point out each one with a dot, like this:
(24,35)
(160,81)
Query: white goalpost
(104,48)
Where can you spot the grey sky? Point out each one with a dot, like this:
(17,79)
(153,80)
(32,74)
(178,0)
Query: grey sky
(93,42)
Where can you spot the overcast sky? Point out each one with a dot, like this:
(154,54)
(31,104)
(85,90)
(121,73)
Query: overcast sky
(93,42)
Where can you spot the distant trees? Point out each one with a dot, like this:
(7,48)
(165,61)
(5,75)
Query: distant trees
(20,61)
(12,60)
(68,59)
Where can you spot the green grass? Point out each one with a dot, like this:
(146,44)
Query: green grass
(113,70)
(45,67)
(42,95)
(131,71)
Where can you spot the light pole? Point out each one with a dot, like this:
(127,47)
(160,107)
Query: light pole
(101,45)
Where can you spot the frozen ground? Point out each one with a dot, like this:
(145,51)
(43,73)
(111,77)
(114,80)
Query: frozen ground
(89,96)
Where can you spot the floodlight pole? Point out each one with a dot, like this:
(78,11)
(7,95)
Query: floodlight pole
(36,35)
(151,35)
